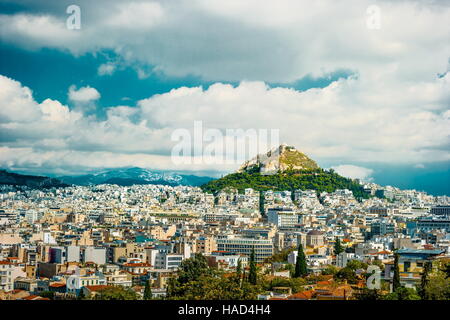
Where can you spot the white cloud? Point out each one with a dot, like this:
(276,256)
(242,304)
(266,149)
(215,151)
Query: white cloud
(354,172)
(328,124)
(211,38)
(106,69)
(395,109)
(83,94)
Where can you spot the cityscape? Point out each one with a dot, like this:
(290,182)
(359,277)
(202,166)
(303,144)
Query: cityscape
(213,158)
(155,241)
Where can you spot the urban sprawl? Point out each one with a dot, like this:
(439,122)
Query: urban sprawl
(138,242)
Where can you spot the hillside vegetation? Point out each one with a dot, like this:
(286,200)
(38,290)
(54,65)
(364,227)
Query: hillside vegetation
(318,179)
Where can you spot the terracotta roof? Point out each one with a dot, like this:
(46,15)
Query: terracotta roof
(96,288)
(34,297)
(137,265)
(324,283)
(304,295)
(57,285)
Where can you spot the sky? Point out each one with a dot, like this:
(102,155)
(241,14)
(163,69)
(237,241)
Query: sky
(359,86)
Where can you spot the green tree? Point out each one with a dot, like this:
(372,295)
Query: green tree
(403,293)
(347,274)
(252,276)
(148,291)
(330,270)
(438,286)
(82,296)
(300,264)
(338,246)
(116,293)
(424,280)
(190,270)
(368,294)
(396,279)
(239,271)
(356,264)
(261,203)
(193,268)
(446,269)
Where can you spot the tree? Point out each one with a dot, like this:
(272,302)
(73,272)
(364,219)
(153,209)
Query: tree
(338,246)
(116,293)
(396,280)
(424,280)
(446,269)
(261,203)
(346,274)
(148,291)
(368,294)
(403,293)
(239,271)
(356,264)
(330,270)
(82,296)
(300,265)
(190,270)
(281,256)
(252,276)
(438,286)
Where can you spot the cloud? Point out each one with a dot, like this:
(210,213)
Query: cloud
(289,39)
(328,124)
(106,69)
(83,94)
(393,109)
(354,172)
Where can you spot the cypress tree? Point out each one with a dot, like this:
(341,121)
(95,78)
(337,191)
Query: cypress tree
(148,291)
(252,277)
(424,280)
(239,270)
(338,246)
(300,265)
(396,279)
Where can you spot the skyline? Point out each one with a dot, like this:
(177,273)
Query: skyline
(373,102)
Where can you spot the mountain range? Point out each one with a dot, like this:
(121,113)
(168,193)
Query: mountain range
(130,176)
(122,177)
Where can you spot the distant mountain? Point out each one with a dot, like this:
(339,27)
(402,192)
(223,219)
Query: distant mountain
(36,182)
(284,168)
(130,176)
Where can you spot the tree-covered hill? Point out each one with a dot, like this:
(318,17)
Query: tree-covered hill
(37,182)
(319,180)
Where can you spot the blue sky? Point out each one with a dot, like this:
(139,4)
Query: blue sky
(370,101)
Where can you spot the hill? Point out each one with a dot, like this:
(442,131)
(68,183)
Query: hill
(279,159)
(282,169)
(35,182)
